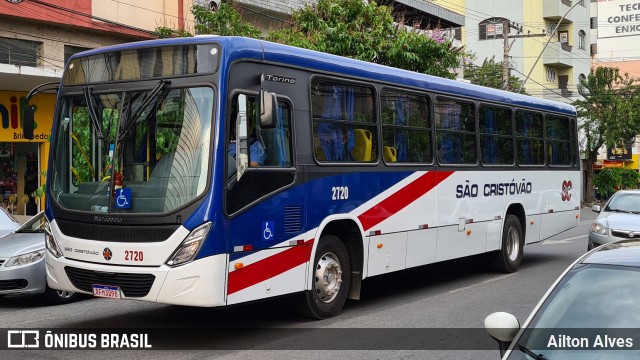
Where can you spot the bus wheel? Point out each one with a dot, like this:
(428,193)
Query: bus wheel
(331,280)
(508,259)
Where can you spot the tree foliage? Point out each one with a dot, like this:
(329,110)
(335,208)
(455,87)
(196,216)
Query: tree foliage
(609,181)
(226,21)
(610,114)
(366,31)
(490,75)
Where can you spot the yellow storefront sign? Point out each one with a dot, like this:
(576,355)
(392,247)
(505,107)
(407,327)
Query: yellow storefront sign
(12,104)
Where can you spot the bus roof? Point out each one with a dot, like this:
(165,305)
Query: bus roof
(239,47)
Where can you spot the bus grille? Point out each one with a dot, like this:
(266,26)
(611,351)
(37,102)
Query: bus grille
(132,285)
(116,233)
(292,219)
(13,284)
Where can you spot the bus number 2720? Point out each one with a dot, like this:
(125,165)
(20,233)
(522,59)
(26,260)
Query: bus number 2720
(133,255)
(340,193)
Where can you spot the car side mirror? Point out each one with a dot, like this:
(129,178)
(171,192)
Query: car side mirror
(502,327)
(596,208)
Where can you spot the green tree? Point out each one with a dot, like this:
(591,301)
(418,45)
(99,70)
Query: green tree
(609,114)
(224,22)
(366,31)
(490,74)
(609,181)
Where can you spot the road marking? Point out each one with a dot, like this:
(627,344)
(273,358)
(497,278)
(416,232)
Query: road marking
(562,241)
(481,283)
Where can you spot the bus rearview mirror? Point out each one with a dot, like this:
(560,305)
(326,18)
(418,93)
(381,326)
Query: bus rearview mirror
(28,122)
(268,109)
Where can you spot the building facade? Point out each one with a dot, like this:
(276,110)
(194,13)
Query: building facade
(36,39)
(616,26)
(549,41)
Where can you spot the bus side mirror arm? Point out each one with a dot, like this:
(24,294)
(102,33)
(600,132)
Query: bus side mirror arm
(28,123)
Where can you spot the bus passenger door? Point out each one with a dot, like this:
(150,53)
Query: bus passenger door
(267,223)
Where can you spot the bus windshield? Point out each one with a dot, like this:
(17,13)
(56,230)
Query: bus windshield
(132,151)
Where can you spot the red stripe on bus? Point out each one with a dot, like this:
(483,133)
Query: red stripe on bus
(284,261)
(269,267)
(402,198)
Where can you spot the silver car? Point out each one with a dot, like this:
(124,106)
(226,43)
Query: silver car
(590,312)
(22,265)
(618,219)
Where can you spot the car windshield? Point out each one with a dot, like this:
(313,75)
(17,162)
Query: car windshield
(591,304)
(132,151)
(624,203)
(34,225)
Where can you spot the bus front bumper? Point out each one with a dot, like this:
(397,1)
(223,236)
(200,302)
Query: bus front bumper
(199,283)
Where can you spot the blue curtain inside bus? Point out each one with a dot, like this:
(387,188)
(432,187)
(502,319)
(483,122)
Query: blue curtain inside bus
(330,135)
(280,146)
(490,145)
(402,116)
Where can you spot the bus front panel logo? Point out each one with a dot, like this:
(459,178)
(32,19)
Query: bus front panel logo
(107,254)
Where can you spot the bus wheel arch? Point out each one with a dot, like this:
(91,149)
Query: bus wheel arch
(336,266)
(511,252)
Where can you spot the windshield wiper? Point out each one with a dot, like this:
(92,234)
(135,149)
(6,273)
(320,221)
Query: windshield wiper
(532,354)
(128,122)
(93,115)
(620,210)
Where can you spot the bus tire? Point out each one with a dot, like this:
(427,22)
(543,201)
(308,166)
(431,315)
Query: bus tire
(508,258)
(331,280)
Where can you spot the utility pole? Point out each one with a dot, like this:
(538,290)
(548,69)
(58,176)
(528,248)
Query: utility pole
(506,59)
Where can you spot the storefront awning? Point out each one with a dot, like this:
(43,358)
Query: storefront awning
(428,14)
(24,78)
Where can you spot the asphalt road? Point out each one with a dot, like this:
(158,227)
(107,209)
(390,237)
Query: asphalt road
(451,295)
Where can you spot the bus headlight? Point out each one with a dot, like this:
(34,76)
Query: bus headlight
(49,242)
(598,229)
(189,248)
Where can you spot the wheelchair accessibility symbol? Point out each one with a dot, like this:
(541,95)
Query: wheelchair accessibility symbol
(267,230)
(123,199)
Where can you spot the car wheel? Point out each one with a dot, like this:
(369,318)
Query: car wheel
(508,258)
(590,246)
(58,297)
(331,280)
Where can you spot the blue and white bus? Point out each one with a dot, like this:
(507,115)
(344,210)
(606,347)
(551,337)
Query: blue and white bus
(212,171)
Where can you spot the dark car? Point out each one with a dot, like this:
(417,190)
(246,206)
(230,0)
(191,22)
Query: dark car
(22,265)
(590,312)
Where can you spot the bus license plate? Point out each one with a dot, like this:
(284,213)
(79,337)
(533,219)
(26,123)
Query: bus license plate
(107,291)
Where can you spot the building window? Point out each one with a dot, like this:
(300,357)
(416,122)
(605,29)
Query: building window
(582,40)
(70,50)
(19,52)
(593,22)
(492,28)
(551,74)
